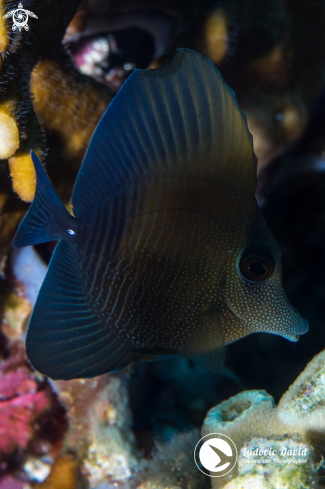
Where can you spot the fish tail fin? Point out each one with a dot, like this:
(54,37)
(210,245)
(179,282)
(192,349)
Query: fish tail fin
(47,219)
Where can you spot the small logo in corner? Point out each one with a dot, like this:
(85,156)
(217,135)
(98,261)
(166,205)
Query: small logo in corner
(215,455)
(20,17)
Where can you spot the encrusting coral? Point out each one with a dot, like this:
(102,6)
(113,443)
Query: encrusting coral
(249,413)
(251,419)
(67,104)
(64,474)
(60,102)
(253,472)
(32,422)
(100,436)
(19,128)
(100,427)
(44,102)
(300,416)
(172,466)
(302,408)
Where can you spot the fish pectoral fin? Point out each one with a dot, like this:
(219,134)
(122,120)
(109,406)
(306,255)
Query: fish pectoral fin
(206,345)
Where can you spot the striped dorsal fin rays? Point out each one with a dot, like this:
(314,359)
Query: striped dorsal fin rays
(206,345)
(182,119)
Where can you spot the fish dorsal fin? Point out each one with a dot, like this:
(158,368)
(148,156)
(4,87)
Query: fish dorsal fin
(206,345)
(180,119)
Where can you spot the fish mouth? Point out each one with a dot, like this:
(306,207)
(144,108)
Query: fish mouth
(293,339)
(301,327)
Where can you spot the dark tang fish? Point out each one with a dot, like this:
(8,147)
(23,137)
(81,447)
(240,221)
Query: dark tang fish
(168,252)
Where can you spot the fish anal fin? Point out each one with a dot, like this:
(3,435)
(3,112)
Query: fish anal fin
(206,345)
(65,338)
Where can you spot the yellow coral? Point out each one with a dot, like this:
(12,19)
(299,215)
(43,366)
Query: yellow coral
(9,136)
(216,36)
(69,106)
(16,312)
(23,176)
(4,29)
(63,474)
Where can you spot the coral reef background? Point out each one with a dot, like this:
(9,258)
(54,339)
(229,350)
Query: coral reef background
(138,428)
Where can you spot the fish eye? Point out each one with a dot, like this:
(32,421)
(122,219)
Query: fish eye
(257,265)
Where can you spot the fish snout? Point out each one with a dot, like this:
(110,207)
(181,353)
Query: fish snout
(300,328)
